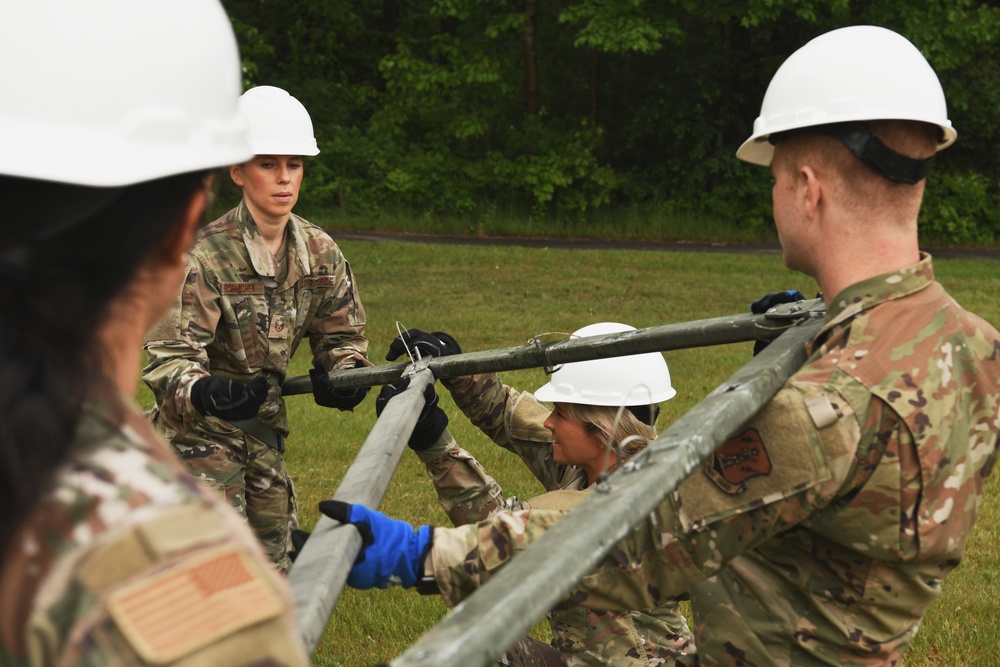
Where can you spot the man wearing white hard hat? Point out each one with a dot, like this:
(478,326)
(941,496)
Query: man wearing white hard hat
(110,552)
(260,279)
(820,533)
(602,413)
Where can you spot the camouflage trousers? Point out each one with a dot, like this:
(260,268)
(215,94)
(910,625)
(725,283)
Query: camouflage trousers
(253,478)
(529,652)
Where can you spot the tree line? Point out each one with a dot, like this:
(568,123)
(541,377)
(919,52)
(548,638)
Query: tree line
(561,108)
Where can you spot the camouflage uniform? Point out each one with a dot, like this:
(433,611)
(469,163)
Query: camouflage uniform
(820,534)
(468,494)
(241,313)
(127,560)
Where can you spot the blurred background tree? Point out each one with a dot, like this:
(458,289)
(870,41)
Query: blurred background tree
(558,110)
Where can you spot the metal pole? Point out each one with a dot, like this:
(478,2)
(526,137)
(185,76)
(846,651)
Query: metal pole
(699,333)
(320,570)
(507,606)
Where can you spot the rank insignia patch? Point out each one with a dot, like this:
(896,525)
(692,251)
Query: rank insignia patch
(738,460)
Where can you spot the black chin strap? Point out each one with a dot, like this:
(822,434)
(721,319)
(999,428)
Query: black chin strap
(880,158)
(647,414)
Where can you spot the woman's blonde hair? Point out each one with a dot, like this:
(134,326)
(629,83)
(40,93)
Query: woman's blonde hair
(601,419)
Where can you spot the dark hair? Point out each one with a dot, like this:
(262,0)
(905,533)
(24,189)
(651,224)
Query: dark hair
(63,259)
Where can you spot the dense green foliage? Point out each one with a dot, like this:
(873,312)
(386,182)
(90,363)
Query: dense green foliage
(557,109)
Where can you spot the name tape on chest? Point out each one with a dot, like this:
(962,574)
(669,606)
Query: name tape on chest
(231,289)
(317,281)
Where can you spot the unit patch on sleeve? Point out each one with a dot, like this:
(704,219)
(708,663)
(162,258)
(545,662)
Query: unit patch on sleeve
(737,460)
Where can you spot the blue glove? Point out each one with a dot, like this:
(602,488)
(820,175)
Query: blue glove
(392,551)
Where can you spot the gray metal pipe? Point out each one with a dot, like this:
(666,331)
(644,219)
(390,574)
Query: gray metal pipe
(318,575)
(698,333)
(478,630)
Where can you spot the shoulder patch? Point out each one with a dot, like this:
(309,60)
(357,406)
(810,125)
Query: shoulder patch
(778,455)
(254,287)
(525,420)
(738,460)
(193,604)
(560,499)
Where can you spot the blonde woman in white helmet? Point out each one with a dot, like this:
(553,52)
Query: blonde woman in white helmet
(110,552)
(259,280)
(603,412)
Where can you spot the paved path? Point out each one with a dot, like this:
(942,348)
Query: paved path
(672,246)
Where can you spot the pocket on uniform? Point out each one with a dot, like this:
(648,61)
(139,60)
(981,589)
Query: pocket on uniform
(251,319)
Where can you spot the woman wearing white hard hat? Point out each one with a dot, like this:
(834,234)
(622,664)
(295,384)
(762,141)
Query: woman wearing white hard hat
(259,280)
(101,524)
(603,413)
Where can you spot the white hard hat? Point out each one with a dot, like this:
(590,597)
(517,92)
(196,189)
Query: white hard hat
(277,123)
(859,73)
(116,92)
(638,379)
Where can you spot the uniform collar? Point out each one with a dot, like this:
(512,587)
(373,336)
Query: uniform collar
(260,256)
(866,294)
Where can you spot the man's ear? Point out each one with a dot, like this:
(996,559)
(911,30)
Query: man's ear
(174,248)
(811,191)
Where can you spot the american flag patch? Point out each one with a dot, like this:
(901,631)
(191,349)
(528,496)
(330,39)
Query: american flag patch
(193,604)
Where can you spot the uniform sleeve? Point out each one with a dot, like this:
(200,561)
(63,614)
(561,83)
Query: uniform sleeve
(466,492)
(511,419)
(176,348)
(790,461)
(337,330)
(158,593)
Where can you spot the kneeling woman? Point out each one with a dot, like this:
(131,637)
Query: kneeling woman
(567,448)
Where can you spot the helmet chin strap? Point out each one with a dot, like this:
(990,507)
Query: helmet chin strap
(881,159)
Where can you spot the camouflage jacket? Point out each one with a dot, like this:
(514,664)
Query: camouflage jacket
(237,318)
(468,494)
(818,535)
(127,560)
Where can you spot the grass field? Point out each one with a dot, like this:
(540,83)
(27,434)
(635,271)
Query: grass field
(490,297)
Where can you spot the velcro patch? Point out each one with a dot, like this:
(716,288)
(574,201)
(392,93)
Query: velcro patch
(738,460)
(318,281)
(243,288)
(778,455)
(525,420)
(193,604)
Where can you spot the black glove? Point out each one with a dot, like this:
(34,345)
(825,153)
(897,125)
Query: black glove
(326,395)
(299,538)
(769,301)
(228,399)
(432,421)
(766,303)
(437,344)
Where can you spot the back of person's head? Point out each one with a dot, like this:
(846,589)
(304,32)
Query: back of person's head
(121,109)
(596,390)
(858,102)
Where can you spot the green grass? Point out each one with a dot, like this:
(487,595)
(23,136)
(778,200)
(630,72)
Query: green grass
(490,297)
